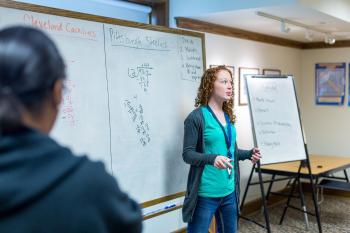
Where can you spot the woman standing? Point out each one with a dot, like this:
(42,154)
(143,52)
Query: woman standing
(43,186)
(211,150)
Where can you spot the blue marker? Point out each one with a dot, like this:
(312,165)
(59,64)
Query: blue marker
(159,210)
(169,206)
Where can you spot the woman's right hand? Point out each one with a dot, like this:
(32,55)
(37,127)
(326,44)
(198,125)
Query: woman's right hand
(222,162)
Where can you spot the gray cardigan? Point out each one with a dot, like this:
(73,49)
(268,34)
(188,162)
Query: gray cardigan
(193,154)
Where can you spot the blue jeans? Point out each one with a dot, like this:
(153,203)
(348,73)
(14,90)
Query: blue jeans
(225,210)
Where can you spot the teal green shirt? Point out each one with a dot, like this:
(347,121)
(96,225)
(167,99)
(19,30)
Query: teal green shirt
(216,182)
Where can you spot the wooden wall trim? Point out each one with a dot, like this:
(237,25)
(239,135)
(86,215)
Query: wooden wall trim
(256,204)
(165,211)
(307,188)
(202,26)
(182,230)
(162,199)
(250,207)
(322,45)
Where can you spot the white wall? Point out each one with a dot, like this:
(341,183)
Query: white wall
(245,53)
(327,128)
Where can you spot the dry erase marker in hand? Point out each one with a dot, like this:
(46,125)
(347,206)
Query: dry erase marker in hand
(228,163)
(229,172)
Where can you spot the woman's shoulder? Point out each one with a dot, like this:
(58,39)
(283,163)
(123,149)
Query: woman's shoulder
(195,115)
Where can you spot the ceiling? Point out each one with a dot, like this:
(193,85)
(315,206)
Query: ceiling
(247,19)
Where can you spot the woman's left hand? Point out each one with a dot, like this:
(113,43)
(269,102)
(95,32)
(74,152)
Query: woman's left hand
(256,156)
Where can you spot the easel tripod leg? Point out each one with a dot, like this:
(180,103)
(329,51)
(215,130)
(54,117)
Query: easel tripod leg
(315,201)
(303,206)
(290,196)
(270,187)
(266,214)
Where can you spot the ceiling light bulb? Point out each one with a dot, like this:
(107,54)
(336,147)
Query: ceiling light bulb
(329,39)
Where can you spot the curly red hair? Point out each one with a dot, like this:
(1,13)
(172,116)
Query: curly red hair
(206,88)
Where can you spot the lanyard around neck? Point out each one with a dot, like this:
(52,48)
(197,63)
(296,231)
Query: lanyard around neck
(228,136)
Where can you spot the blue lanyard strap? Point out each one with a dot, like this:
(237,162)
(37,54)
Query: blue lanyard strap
(228,138)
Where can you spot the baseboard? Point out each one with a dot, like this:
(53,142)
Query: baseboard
(251,207)
(307,188)
(255,205)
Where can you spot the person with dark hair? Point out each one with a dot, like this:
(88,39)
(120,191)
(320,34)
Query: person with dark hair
(43,186)
(210,148)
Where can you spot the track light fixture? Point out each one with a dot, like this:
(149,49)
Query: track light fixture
(309,35)
(329,39)
(284,27)
(309,30)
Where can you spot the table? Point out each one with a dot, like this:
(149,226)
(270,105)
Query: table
(321,166)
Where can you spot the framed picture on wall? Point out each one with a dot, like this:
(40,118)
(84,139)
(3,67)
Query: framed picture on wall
(242,90)
(273,72)
(330,83)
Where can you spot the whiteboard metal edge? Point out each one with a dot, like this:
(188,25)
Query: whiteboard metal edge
(95,18)
(102,19)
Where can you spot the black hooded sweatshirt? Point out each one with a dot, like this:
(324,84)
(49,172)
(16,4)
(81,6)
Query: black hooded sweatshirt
(44,188)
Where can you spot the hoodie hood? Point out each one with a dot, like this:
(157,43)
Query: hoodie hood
(31,165)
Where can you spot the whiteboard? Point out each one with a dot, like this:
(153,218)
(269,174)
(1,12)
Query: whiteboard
(128,90)
(275,118)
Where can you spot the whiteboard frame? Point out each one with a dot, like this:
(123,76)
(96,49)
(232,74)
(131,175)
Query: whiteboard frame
(102,19)
(119,22)
(296,99)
